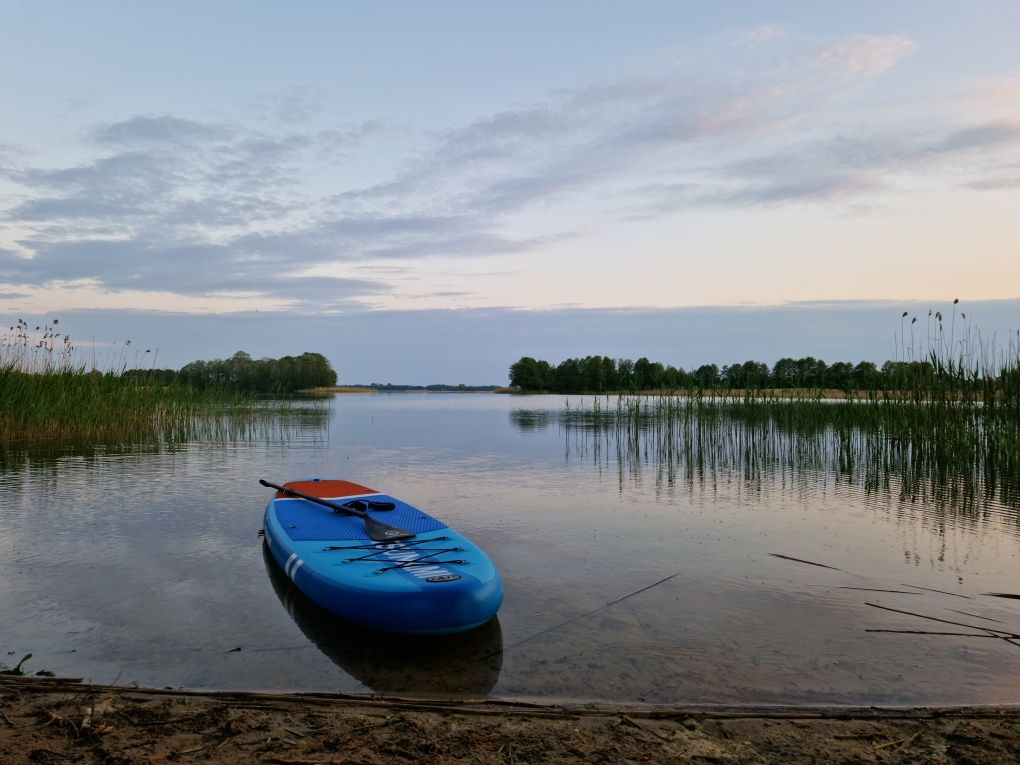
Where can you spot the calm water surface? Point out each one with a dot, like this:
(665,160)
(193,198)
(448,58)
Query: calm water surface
(144,565)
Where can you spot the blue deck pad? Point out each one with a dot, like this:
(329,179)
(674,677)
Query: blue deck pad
(305,521)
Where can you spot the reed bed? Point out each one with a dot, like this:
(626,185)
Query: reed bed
(700,442)
(48,395)
(948,434)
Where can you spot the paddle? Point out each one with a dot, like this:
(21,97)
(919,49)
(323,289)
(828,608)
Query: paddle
(360,504)
(378,532)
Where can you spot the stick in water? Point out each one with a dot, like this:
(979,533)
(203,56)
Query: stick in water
(575,618)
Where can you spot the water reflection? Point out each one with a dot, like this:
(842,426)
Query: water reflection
(284,423)
(466,664)
(141,562)
(698,444)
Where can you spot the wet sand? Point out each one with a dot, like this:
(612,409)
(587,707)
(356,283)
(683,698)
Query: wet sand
(46,720)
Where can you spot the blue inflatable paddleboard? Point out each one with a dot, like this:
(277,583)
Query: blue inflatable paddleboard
(379,561)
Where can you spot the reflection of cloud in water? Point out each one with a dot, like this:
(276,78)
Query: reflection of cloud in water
(467,664)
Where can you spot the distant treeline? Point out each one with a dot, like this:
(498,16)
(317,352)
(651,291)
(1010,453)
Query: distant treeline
(437,388)
(243,373)
(597,374)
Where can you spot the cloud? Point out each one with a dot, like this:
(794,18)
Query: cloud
(127,183)
(988,135)
(162,130)
(762,35)
(177,267)
(582,141)
(204,207)
(995,184)
(818,188)
(865,55)
(1000,92)
(841,168)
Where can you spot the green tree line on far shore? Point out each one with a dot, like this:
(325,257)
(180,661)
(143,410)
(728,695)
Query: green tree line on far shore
(243,373)
(598,374)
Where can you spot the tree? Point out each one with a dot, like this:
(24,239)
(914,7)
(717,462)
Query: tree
(594,375)
(529,374)
(810,372)
(242,372)
(625,374)
(784,373)
(610,377)
(840,375)
(706,376)
(569,376)
(865,376)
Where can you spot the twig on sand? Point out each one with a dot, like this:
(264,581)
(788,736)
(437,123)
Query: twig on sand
(573,619)
(902,743)
(509,746)
(390,720)
(635,724)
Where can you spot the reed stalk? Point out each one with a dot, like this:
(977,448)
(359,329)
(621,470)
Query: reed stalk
(49,395)
(948,432)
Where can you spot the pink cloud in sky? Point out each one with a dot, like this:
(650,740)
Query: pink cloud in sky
(866,55)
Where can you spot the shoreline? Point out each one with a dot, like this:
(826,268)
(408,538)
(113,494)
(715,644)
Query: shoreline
(60,719)
(399,389)
(756,394)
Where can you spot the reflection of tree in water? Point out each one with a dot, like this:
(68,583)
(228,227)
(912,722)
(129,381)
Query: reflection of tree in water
(468,663)
(532,419)
(961,464)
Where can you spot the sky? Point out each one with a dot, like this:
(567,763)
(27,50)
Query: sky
(425,192)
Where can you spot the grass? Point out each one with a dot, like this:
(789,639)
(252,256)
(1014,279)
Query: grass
(949,433)
(47,395)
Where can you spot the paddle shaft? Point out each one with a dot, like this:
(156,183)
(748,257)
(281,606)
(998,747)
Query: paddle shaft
(377,531)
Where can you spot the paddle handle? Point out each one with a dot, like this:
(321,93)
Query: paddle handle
(319,500)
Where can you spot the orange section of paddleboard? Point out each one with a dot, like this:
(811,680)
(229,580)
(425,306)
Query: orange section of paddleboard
(329,489)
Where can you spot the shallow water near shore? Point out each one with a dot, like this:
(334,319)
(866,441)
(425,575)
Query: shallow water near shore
(142,564)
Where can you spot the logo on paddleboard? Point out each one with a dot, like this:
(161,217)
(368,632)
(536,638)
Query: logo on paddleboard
(443,578)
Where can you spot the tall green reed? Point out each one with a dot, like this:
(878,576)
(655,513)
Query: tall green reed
(948,431)
(48,394)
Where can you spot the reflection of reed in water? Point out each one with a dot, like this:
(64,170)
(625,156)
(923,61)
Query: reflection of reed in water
(465,664)
(955,457)
(271,422)
(276,421)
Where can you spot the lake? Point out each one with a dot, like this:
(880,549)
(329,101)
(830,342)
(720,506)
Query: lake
(633,573)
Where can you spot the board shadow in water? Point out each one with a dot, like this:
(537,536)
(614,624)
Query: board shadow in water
(466,664)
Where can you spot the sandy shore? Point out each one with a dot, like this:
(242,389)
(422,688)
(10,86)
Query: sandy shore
(55,721)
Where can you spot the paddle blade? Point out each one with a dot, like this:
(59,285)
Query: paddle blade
(381,532)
